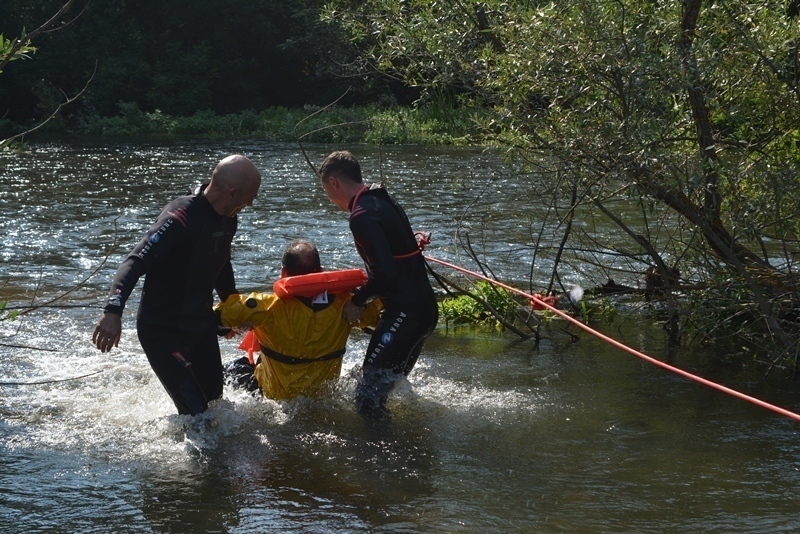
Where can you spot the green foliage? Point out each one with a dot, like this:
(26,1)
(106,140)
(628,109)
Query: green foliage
(421,125)
(7,315)
(184,56)
(131,122)
(465,310)
(358,124)
(686,109)
(9,54)
(602,310)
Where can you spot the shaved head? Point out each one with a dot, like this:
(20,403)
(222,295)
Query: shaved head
(234,171)
(234,185)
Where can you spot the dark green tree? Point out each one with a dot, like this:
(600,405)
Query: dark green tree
(181,57)
(13,49)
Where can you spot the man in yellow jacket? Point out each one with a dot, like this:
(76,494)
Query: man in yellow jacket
(302,339)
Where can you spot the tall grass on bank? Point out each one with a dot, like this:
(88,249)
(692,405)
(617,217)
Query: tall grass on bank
(364,124)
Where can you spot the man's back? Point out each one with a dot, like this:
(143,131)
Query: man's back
(302,339)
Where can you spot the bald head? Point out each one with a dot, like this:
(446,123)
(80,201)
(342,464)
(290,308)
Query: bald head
(234,185)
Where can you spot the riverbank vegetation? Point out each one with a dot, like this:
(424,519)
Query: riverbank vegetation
(486,306)
(210,69)
(355,124)
(675,121)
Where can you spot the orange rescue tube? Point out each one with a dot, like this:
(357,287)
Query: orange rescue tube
(552,300)
(250,345)
(309,285)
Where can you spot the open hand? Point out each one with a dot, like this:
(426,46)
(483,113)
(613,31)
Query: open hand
(107,332)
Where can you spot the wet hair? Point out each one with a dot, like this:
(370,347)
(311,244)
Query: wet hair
(301,257)
(342,164)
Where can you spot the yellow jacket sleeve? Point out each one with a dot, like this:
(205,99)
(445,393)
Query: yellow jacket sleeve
(238,309)
(371,314)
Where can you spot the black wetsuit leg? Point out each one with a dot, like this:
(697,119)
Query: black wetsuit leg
(189,367)
(393,351)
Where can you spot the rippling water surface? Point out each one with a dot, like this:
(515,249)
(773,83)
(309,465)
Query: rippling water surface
(490,434)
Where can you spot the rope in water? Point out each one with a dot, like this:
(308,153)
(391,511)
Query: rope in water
(50,381)
(540,302)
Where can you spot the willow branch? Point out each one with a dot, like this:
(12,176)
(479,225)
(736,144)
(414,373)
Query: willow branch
(40,382)
(299,137)
(27,38)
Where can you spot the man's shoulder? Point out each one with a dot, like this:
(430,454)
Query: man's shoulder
(377,194)
(369,207)
(186,208)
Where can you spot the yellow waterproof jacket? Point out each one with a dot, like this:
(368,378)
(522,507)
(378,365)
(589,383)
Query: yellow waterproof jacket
(294,329)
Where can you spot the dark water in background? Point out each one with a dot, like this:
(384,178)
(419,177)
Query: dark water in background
(490,434)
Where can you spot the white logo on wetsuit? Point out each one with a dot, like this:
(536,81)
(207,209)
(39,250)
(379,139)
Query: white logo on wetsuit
(386,338)
(155,238)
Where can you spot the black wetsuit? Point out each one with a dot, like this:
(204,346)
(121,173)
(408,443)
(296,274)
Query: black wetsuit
(184,256)
(397,274)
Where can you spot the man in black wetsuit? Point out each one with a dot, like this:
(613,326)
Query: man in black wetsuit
(184,257)
(396,274)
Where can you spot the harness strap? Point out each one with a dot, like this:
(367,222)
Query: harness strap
(421,237)
(291,360)
(422,240)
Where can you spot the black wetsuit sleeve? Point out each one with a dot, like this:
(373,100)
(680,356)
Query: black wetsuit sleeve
(226,284)
(376,251)
(125,280)
(164,235)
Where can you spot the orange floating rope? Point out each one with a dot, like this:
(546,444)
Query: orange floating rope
(539,302)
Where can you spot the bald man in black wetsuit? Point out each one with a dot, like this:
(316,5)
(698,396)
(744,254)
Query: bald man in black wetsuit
(396,274)
(184,257)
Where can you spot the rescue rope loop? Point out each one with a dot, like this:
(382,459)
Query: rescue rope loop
(423,239)
(540,302)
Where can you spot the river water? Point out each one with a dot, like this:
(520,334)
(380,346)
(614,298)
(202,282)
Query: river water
(489,434)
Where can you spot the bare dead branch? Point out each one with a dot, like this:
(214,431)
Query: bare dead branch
(67,101)
(82,282)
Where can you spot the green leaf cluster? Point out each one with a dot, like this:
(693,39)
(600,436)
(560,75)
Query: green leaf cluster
(466,310)
(5,314)
(9,52)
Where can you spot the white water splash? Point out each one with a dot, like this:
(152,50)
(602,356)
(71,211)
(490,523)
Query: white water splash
(575,295)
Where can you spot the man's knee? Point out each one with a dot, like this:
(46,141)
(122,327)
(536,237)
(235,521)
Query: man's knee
(188,398)
(374,387)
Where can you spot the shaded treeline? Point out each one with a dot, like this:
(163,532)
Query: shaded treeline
(180,57)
